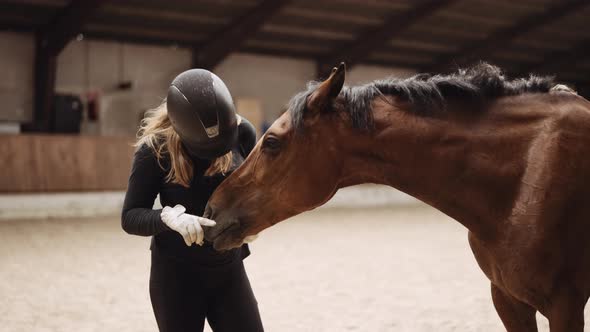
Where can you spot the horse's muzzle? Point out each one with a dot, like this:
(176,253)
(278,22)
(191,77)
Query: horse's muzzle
(226,226)
(209,232)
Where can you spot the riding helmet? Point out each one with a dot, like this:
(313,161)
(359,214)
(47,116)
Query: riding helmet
(202,112)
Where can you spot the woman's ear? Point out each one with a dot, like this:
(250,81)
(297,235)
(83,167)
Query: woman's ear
(328,90)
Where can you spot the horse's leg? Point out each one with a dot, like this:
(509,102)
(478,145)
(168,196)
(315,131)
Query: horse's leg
(566,313)
(516,316)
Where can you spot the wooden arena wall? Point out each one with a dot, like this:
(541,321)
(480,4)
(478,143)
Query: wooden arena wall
(58,163)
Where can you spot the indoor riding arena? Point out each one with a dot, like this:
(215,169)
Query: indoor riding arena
(487,140)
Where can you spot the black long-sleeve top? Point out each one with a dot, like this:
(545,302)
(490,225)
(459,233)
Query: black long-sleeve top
(148,179)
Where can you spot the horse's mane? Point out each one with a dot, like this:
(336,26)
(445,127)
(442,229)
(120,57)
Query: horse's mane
(426,92)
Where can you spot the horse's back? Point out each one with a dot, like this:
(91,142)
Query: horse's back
(552,223)
(572,137)
(570,106)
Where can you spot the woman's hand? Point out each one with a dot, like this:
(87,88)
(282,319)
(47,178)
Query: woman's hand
(188,225)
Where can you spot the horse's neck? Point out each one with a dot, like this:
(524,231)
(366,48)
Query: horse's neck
(469,171)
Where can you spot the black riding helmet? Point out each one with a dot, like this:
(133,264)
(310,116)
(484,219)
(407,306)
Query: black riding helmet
(202,112)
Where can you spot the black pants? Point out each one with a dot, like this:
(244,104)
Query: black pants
(183,295)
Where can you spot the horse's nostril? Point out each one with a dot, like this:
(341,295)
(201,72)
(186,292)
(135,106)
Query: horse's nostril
(208,230)
(208,212)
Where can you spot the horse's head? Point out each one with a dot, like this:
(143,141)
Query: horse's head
(295,167)
(316,147)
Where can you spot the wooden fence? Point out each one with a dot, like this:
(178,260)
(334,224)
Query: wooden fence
(57,163)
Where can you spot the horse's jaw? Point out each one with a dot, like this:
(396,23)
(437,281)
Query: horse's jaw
(228,241)
(229,238)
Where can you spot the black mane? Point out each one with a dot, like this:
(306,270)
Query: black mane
(426,92)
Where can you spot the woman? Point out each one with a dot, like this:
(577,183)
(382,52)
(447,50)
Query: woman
(186,147)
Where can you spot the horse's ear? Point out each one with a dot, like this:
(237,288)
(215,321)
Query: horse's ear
(329,89)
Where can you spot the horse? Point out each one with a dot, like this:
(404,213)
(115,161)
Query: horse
(506,158)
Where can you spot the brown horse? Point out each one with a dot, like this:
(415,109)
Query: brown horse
(505,158)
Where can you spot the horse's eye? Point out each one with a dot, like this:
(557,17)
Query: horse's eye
(271,143)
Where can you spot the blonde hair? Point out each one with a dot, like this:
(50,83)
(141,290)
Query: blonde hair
(156,132)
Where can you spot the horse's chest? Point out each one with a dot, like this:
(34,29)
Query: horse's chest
(520,272)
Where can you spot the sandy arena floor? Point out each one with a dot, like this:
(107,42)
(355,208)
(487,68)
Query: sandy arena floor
(404,269)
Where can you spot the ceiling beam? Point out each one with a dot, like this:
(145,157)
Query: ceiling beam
(502,37)
(16,27)
(50,41)
(584,91)
(67,24)
(223,43)
(137,39)
(362,47)
(560,59)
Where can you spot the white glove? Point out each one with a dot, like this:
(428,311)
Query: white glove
(188,225)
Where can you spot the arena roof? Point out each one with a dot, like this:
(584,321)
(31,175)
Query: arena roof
(542,36)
